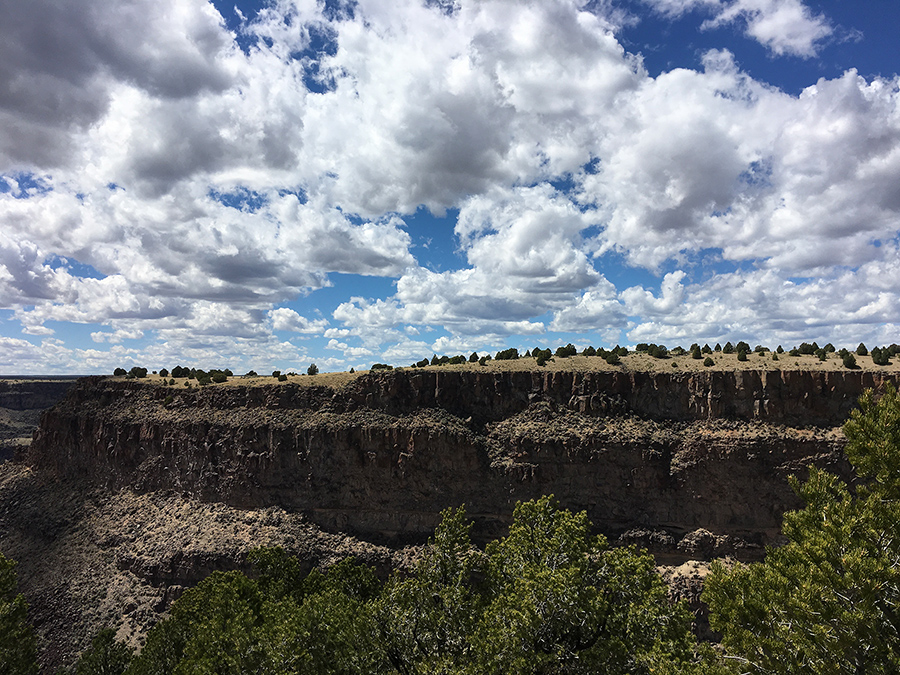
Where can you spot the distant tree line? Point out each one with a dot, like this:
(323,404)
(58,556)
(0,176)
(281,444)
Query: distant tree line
(881,356)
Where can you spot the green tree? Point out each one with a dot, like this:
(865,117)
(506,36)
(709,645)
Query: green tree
(105,656)
(829,600)
(313,369)
(425,622)
(18,648)
(561,601)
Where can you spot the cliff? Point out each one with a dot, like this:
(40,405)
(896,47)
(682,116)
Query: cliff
(691,462)
(21,403)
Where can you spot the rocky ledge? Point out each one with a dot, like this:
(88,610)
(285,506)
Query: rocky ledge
(684,463)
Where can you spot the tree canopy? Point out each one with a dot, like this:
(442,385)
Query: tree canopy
(829,600)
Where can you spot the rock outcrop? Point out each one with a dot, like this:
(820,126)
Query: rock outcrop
(650,456)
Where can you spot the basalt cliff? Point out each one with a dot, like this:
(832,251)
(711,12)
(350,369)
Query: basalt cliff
(672,460)
(133,490)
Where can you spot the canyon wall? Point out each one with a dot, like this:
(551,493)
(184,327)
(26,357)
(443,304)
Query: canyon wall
(690,461)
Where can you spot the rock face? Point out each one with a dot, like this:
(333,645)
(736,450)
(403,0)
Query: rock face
(21,404)
(651,457)
(32,394)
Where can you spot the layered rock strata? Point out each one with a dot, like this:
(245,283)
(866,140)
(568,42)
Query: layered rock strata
(679,462)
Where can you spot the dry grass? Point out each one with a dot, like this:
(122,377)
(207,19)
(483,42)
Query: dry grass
(633,362)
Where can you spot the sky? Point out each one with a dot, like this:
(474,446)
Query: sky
(265,185)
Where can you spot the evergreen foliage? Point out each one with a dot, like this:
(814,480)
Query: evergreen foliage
(827,601)
(18,648)
(550,597)
(566,352)
(105,656)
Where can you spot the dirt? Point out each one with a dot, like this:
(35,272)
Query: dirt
(90,558)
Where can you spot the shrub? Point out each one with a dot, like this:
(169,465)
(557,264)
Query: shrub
(381,366)
(658,351)
(164,373)
(881,357)
(849,361)
(138,372)
(105,656)
(473,357)
(728,348)
(313,369)
(641,347)
(456,360)
(219,377)
(589,351)
(18,647)
(807,349)
(718,347)
(251,373)
(510,354)
(707,350)
(567,351)
(120,372)
(422,363)
(621,351)
(696,353)
(708,362)
(742,347)
(822,354)
(779,350)
(861,350)
(741,355)
(282,378)
(276,374)
(612,359)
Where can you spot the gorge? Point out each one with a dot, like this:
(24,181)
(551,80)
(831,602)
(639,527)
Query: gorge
(167,483)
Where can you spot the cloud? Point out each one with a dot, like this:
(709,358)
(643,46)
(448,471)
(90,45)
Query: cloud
(287,319)
(59,63)
(844,308)
(597,310)
(199,188)
(117,336)
(782,26)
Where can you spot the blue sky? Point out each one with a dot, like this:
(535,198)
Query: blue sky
(268,184)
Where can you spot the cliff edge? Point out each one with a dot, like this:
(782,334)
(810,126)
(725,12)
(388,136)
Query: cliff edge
(694,462)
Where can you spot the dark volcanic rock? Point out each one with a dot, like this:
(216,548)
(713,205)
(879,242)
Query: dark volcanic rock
(384,455)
